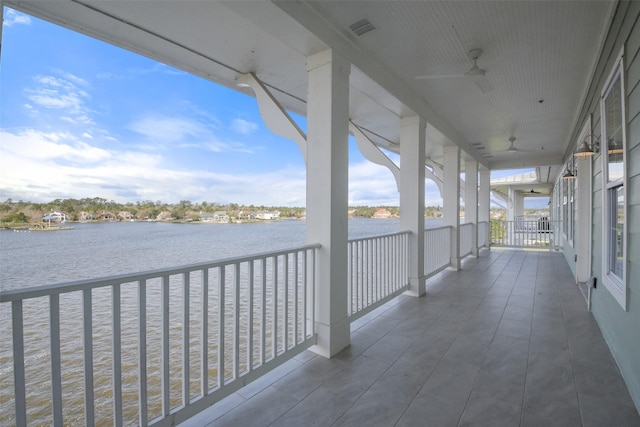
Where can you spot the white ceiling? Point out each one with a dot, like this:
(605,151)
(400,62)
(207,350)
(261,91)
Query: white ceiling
(538,57)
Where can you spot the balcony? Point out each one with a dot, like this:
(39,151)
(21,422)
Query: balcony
(485,341)
(507,340)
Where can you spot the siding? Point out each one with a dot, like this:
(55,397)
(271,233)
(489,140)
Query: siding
(619,327)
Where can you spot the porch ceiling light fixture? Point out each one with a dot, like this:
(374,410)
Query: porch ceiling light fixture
(585,150)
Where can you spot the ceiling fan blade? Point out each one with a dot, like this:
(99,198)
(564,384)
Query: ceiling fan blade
(442,76)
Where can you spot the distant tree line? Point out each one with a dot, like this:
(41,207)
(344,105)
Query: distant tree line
(101,209)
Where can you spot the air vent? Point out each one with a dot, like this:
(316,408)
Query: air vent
(361,27)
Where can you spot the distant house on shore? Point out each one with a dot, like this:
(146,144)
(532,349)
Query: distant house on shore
(55,216)
(125,216)
(85,216)
(221,217)
(245,215)
(268,215)
(164,216)
(382,213)
(107,216)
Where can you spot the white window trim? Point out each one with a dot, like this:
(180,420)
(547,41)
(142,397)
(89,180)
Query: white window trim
(584,205)
(617,288)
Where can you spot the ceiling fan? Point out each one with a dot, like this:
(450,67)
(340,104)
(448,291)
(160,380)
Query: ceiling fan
(512,148)
(475,73)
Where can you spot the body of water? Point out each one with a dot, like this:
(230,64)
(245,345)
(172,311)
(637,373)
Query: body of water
(97,250)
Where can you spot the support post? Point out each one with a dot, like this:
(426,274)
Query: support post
(484,203)
(471,201)
(412,174)
(327,194)
(451,201)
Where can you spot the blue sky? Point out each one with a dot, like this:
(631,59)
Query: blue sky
(81,118)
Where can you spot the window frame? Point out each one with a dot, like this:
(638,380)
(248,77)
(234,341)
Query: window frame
(616,285)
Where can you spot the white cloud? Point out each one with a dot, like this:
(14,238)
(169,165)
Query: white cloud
(64,92)
(371,184)
(40,167)
(167,129)
(243,127)
(12,17)
(183,132)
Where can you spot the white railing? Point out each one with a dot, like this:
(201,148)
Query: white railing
(378,270)
(157,347)
(437,250)
(466,239)
(523,233)
(483,234)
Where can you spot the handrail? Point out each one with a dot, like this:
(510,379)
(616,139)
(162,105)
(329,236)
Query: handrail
(77,285)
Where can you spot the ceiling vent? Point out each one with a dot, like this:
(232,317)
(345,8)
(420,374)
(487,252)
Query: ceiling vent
(361,27)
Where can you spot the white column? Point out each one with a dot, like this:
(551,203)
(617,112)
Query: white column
(412,172)
(484,202)
(471,201)
(451,200)
(327,196)
(511,207)
(518,204)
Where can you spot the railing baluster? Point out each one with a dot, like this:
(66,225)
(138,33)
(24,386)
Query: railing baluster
(361,276)
(236,322)
(142,352)
(263,309)
(204,335)
(87,318)
(221,328)
(117,355)
(295,298)
(186,374)
(285,338)
(313,293)
(250,322)
(275,306)
(164,342)
(305,278)
(18,364)
(56,377)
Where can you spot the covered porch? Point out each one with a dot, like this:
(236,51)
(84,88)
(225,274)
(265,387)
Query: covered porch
(500,338)
(505,341)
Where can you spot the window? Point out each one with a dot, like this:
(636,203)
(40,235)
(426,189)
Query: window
(568,204)
(614,185)
(565,208)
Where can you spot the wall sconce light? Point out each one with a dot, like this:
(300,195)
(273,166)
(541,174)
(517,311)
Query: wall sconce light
(585,151)
(614,147)
(568,174)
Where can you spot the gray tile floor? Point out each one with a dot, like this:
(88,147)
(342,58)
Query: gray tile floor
(506,341)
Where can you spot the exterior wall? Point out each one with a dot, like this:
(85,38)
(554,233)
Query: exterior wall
(619,327)
(570,255)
